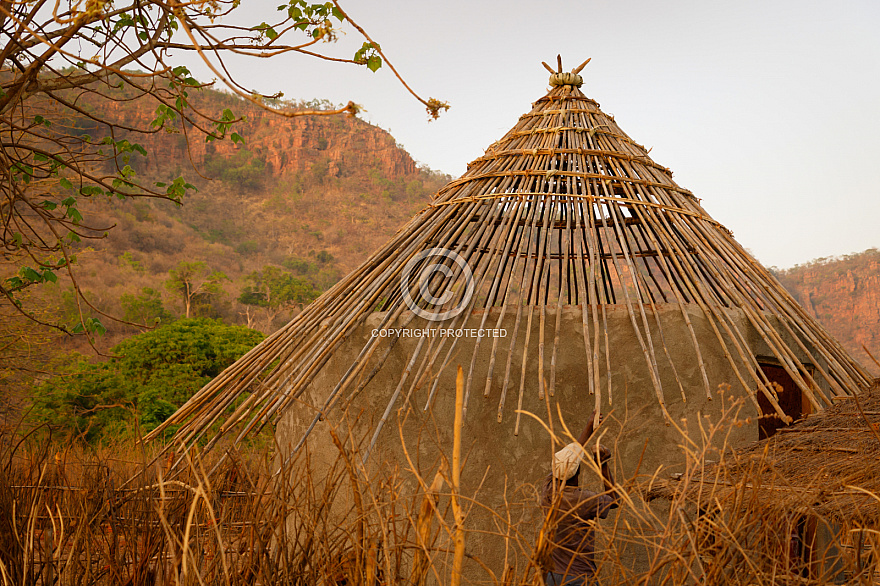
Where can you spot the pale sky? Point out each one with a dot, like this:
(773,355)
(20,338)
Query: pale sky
(768,111)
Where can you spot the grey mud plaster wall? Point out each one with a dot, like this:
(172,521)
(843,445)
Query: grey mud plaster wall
(503,471)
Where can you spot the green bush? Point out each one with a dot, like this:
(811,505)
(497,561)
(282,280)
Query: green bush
(243,168)
(248,247)
(144,307)
(153,374)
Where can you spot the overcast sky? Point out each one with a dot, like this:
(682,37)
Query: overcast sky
(768,111)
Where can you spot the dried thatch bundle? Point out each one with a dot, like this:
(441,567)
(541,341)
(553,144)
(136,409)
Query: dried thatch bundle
(827,465)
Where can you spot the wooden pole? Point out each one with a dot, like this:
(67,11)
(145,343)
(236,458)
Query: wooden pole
(458,560)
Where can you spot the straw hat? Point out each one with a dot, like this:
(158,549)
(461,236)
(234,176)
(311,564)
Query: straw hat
(567,460)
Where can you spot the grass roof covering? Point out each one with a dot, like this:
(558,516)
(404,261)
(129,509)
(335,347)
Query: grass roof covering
(827,465)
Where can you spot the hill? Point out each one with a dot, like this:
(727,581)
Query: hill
(309,197)
(843,293)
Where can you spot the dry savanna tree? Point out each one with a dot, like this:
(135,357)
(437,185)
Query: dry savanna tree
(57,150)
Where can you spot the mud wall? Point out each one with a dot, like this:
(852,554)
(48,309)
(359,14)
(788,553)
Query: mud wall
(506,463)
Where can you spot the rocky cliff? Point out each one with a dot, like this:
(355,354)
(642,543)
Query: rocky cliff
(312,195)
(843,293)
(287,145)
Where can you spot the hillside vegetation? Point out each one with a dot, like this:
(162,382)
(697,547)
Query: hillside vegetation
(843,293)
(275,220)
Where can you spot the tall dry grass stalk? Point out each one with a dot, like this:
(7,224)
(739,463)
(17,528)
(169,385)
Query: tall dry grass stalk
(68,517)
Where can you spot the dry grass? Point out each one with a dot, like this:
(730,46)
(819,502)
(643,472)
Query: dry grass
(73,517)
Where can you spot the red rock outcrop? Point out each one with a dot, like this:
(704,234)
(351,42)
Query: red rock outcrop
(287,145)
(844,295)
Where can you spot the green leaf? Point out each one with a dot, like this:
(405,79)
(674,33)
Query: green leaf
(163,115)
(88,190)
(74,215)
(374,62)
(65,183)
(236,137)
(94,325)
(31,275)
(49,276)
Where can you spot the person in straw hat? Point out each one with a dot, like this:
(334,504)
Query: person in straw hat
(571,511)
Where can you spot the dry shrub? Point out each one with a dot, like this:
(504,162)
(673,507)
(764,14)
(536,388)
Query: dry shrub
(72,516)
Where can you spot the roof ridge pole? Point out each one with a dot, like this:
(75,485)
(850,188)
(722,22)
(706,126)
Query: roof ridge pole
(716,316)
(393,399)
(592,302)
(476,244)
(519,306)
(649,230)
(537,274)
(563,286)
(647,348)
(513,223)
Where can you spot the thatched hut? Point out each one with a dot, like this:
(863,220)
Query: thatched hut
(806,500)
(564,271)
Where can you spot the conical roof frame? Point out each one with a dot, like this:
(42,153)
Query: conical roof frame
(564,210)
